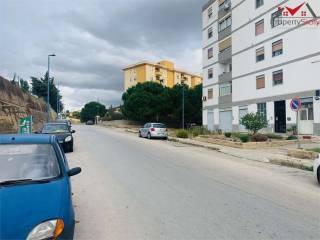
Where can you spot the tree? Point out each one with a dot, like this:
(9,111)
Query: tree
(24,85)
(14,81)
(254,122)
(91,110)
(151,101)
(76,114)
(40,88)
(145,102)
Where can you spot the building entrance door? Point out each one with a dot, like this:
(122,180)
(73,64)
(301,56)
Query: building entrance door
(280,117)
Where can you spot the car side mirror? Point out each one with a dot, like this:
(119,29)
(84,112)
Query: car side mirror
(73,131)
(74,171)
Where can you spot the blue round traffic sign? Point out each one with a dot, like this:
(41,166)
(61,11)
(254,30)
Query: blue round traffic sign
(295,104)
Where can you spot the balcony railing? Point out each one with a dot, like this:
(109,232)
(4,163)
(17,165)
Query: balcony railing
(224,33)
(225,56)
(225,77)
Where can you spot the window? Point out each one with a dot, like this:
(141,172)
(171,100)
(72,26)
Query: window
(224,5)
(277,78)
(260,27)
(225,89)
(277,48)
(260,54)
(210,13)
(259,3)
(262,109)
(210,53)
(210,73)
(28,161)
(210,93)
(210,33)
(275,18)
(225,24)
(260,82)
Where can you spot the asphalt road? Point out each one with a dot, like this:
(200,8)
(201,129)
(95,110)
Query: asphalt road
(133,188)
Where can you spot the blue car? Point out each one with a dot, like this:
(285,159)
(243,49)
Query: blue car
(35,189)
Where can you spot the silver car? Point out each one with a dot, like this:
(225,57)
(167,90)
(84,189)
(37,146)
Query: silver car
(154,130)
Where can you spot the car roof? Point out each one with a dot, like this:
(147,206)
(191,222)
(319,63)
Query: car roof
(27,139)
(56,123)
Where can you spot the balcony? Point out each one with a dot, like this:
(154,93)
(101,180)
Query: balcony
(225,56)
(224,10)
(225,77)
(225,101)
(224,33)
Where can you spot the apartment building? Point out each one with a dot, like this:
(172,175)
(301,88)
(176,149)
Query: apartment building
(162,72)
(257,56)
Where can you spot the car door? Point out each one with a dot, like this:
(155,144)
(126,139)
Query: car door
(145,130)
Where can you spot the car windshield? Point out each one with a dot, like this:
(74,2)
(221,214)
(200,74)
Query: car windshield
(55,128)
(159,125)
(28,161)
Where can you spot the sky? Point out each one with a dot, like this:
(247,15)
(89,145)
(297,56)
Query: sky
(94,39)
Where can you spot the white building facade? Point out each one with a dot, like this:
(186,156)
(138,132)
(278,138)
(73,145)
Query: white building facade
(257,56)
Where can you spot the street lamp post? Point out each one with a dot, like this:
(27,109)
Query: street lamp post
(183,102)
(58,102)
(48,88)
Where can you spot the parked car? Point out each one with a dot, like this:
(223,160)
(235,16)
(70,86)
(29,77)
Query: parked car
(316,169)
(35,188)
(154,130)
(89,122)
(63,134)
(67,121)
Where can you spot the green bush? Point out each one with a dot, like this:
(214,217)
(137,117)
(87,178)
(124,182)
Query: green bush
(259,138)
(274,136)
(196,131)
(244,138)
(182,133)
(315,150)
(292,137)
(236,134)
(228,134)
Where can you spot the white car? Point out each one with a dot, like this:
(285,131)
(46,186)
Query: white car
(316,169)
(154,130)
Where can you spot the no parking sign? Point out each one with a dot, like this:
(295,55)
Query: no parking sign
(295,104)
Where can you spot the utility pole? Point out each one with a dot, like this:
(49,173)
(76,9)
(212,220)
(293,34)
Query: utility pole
(183,102)
(58,102)
(48,88)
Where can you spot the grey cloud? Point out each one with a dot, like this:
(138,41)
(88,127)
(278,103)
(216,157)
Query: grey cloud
(95,39)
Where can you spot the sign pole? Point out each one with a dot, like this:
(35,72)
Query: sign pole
(297,122)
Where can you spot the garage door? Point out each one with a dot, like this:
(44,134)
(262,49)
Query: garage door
(225,123)
(210,121)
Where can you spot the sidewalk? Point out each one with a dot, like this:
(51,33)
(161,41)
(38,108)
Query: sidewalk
(276,155)
(272,155)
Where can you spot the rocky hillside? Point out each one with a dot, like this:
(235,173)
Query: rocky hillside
(15,104)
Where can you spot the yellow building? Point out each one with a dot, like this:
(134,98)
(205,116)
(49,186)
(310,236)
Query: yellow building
(162,72)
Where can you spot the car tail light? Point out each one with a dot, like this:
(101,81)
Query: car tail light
(152,129)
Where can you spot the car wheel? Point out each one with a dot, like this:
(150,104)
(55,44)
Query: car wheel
(318,175)
(149,136)
(166,138)
(140,134)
